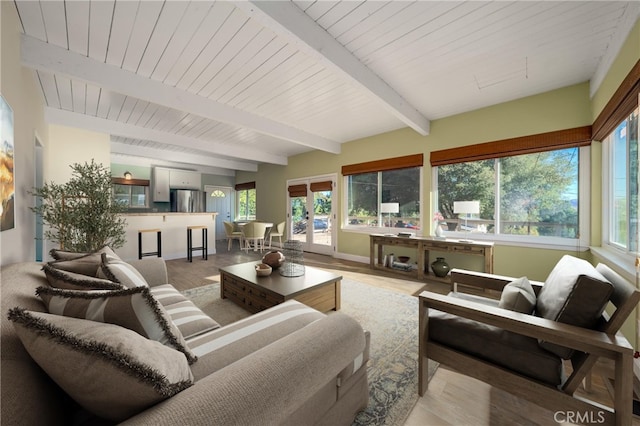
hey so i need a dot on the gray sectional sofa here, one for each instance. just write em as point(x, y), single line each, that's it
point(287, 365)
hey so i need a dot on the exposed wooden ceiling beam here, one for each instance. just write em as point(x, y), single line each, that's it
point(203, 163)
point(285, 18)
point(40, 55)
point(73, 119)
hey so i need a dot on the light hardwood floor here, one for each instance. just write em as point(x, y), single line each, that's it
point(452, 399)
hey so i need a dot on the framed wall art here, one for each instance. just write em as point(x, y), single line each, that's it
point(7, 186)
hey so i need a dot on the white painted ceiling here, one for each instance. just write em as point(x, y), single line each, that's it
point(223, 86)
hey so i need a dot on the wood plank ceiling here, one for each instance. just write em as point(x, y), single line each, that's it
point(224, 86)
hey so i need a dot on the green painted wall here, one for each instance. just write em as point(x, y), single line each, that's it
point(559, 109)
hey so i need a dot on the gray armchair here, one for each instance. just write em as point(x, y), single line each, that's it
point(520, 342)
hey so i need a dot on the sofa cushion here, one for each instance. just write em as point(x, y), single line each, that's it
point(81, 263)
point(109, 370)
point(223, 346)
point(135, 309)
point(189, 319)
point(518, 296)
point(573, 293)
point(60, 278)
point(167, 294)
point(493, 344)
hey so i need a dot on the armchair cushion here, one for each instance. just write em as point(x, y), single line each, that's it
point(509, 350)
point(518, 296)
point(573, 293)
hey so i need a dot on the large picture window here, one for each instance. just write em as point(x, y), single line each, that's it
point(622, 209)
point(533, 195)
point(384, 199)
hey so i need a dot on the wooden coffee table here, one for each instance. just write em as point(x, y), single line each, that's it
point(316, 288)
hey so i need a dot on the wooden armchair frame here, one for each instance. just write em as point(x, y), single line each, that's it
point(592, 344)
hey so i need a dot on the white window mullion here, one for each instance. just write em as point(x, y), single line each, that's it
point(496, 214)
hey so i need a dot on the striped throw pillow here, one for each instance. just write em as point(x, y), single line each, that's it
point(120, 272)
point(112, 372)
point(134, 308)
point(80, 263)
point(60, 278)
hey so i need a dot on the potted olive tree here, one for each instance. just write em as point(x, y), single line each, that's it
point(82, 215)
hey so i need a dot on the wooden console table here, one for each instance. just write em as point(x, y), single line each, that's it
point(423, 246)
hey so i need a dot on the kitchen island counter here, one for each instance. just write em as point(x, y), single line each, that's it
point(173, 226)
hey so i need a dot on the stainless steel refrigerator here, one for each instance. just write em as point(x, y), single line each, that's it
point(188, 201)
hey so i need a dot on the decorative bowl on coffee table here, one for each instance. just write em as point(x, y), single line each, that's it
point(263, 270)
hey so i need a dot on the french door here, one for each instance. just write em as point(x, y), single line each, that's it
point(310, 216)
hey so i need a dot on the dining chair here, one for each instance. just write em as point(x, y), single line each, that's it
point(278, 232)
point(232, 234)
point(253, 236)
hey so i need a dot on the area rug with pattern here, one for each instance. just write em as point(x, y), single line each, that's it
point(392, 320)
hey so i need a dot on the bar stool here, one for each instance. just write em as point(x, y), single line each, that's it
point(203, 247)
point(158, 251)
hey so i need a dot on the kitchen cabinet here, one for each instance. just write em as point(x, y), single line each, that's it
point(185, 179)
point(160, 185)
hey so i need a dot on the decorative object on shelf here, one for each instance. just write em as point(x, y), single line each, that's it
point(274, 258)
point(263, 270)
point(439, 267)
point(466, 208)
point(406, 234)
point(439, 220)
point(293, 265)
point(403, 259)
point(389, 208)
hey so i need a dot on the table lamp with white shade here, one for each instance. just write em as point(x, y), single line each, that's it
point(466, 208)
point(389, 208)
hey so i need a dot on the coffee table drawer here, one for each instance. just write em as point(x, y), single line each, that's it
point(260, 294)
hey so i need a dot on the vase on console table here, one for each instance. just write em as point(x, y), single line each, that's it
point(440, 268)
point(439, 231)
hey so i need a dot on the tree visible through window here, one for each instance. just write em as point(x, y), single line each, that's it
point(532, 194)
point(246, 204)
point(623, 190)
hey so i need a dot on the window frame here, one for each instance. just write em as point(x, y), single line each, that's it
point(558, 243)
point(345, 226)
point(130, 188)
point(238, 216)
point(622, 254)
